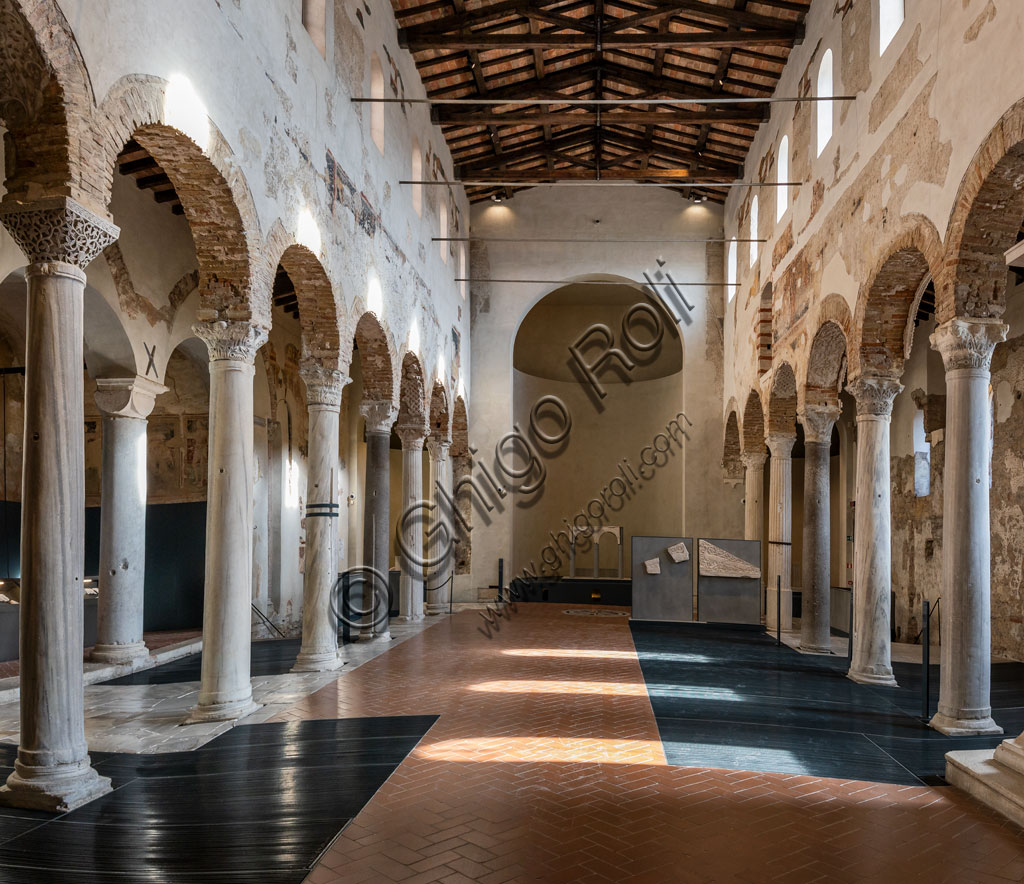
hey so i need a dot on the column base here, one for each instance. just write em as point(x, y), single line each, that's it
point(230, 711)
point(814, 649)
point(431, 610)
point(56, 788)
point(981, 775)
point(963, 727)
point(877, 678)
point(326, 662)
point(127, 653)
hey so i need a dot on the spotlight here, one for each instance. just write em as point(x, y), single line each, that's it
point(496, 198)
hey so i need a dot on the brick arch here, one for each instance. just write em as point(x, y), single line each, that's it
point(885, 308)
point(752, 427)
point(782, 400)
point(320, 313)
point(983, 224)
point(46, 101)
point(460, 429)
point(826, 364)
point(375, 359)
point(412, 393)
point(440, 413)
point(234, 282)
point(731, 463)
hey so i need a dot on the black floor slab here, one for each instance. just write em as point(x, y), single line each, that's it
point(259, 803)
point(270, 657)
point(731, 698)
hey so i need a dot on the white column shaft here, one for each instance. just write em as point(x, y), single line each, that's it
point(411, 589)
point(815, 632)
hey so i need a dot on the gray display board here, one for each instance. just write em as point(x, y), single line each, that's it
point(668, 595)
point(728, 599)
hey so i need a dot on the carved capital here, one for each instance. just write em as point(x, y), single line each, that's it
point(235, 340)
point(379, 416)
point(968, 343)
point(437, 447)
point(781, 444)
point(818, 421)
point(57, 230)
point(127, 397)
point(323, 385)
point(753, 460)
point(412, 434)
point(874, 395)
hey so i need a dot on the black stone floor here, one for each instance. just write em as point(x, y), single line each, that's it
point(267, 657)
point(260, 803)
point(730, 698)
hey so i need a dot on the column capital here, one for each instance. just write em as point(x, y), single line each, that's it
point(57, 229)
point(235, 340)
point(127, 397)
point(753, 460)
point(818, 420)
point(412, 434)
point(874, 394)
point(379, 415)
point(323, 385)
point(968, 343)
point(437, 447)
point(780, 444)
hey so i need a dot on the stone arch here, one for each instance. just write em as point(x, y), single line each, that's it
point(752, 427)
point(460, 429)
point(440, 413)
point(731, 463)
point(984, 223)
point(412, 394)
point(782, 400)
point(885, 308)
point(319, 310)
point(826, 365)
point(46, 101)
point(234, 282)
point(375, 358)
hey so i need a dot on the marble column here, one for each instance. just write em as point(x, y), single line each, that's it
point(52, 770)
point(872, 547)
point(379, 417)
point(440, 534)
point(126, 403)
point(225, 691)
point(410, 524)
point(753, 487)
point(815, 619)
point(780, 529)
point(319, 650)
point(964, 703)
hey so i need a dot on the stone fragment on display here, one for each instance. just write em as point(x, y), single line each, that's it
point(652, 566)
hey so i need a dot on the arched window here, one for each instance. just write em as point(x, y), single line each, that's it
point(442, 226)
point(922, 457)
point(377, 106)
point(314, 20)
point(731, 271)
point(782, 176)
point(753, 231)
point(824, 107)
point(416, 173)
point(890, 18)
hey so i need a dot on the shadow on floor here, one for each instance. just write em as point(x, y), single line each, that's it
point(731, 699)
point(259, 803)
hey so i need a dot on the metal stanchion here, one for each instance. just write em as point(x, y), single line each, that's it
point(925, 658)
point(778, 609)
point(849, 631)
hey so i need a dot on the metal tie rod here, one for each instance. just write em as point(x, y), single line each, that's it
point(613, 102)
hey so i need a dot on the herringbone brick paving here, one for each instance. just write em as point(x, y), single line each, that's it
point(545, 766)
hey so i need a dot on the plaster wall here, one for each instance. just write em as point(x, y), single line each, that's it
point(543, 216)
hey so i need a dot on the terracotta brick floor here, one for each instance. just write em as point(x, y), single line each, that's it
point(545, 765)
